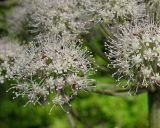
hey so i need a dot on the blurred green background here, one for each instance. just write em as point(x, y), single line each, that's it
point(90, 110)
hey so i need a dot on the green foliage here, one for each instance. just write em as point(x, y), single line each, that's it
point(99, 111)
point(93, 110)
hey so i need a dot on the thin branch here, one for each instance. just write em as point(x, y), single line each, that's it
point(105, 31)
point(100, 67)
point(95, 49)
point(121, 92)
point(103, 84)
point(71, 121)
point(75, 114)
point(109, 93)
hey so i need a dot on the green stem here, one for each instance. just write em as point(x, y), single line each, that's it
point(96, 50)
point(154, 108)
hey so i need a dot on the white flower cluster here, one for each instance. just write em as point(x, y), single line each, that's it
point(72, 16)
point(55, 62)
point(135, 52)
point(51, 68)
point(8, 50)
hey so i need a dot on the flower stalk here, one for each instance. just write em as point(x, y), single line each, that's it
point(154, 108)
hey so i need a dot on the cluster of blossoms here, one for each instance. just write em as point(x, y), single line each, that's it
point(46, 67)
point(135, 52)
point(135, 49)
point(72, 16)
point(8, 50)
point(55, 62)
